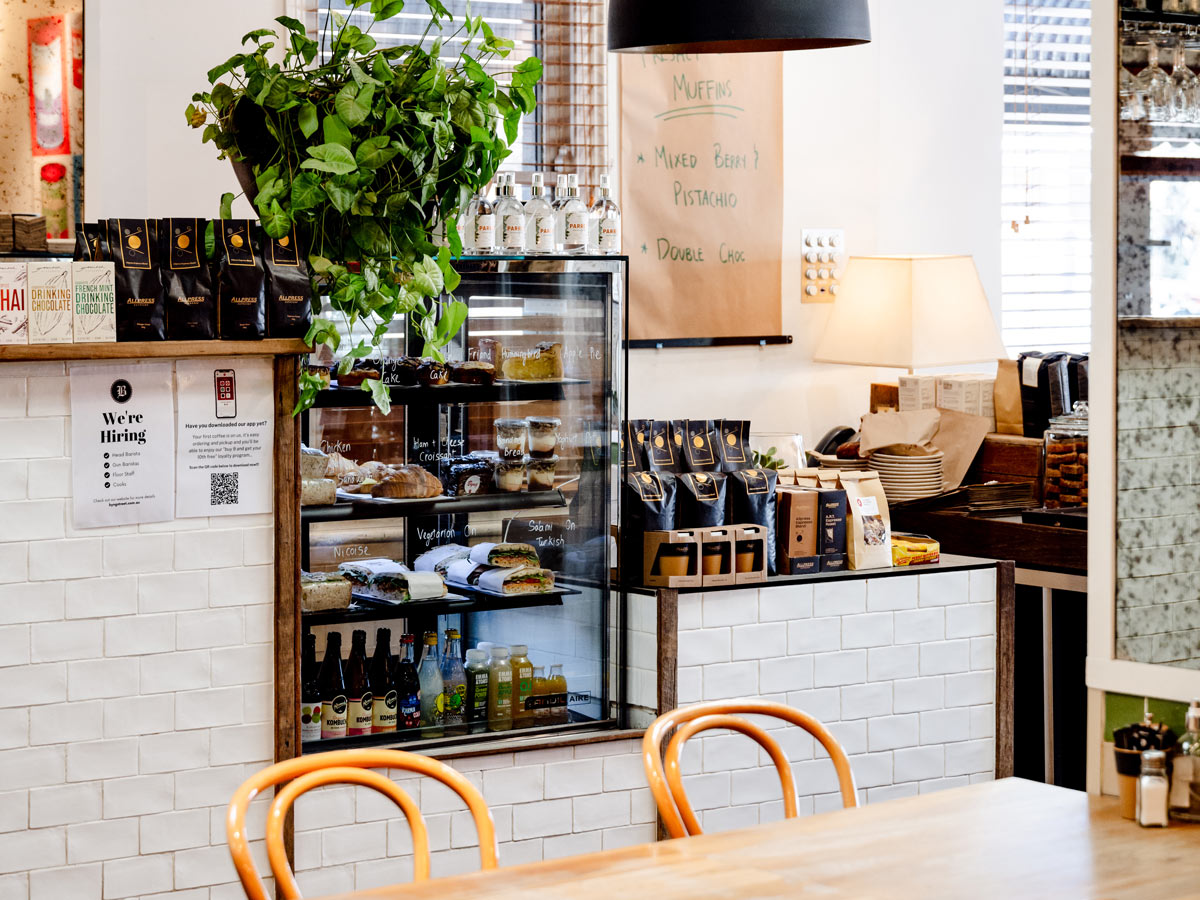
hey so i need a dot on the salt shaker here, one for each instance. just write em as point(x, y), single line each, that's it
point(1152, 790)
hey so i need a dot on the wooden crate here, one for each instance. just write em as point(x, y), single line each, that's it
point(1008, 458)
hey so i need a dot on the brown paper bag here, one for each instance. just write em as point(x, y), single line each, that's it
point(868, 521)
point(1007, 397)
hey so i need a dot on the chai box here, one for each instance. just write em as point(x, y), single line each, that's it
point(14, 309)
point(671, 559)
point(917, 392)
point(798, 511)
point(717, 556)
point(95, 295)
point(750, 553)
point(50, 315)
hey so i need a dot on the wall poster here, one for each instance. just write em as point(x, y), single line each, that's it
point(701, 185)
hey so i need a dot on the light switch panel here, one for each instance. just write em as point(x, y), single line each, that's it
point(824, 259)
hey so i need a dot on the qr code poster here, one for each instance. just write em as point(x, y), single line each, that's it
point(225, 434)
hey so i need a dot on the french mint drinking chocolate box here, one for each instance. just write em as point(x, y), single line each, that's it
point(95, 289)
point(50, 315)
point(14, 312)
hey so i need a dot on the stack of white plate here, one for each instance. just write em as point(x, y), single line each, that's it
point(908, 477)
point(829, 461)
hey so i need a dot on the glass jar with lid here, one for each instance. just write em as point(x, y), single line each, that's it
point(1065, 474)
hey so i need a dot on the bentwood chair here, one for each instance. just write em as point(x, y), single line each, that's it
point(304, 773)
point(668, 790)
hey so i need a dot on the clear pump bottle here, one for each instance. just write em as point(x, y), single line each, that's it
point(560, 219)
point(478, 225)
point(575, 215)
point(539, 219)
point(604, 232)
point(510, 216)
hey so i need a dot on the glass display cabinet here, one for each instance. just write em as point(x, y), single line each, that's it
point(526, 459)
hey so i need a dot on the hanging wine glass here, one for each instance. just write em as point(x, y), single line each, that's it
point(1183, 87)
point(1155, 85)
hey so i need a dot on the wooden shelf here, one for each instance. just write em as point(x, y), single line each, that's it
point(149, 350)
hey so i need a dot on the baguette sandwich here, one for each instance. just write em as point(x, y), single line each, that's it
point(506, 556)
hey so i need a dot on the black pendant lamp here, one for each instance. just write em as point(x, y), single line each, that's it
point(735, 26)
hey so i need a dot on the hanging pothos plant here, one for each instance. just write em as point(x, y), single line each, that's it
point(369, 153)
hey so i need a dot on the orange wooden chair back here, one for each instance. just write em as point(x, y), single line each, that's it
point(305, 773)
point(666, 779)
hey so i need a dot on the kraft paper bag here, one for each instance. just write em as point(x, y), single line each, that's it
point(1007, 398)
point(890, 429)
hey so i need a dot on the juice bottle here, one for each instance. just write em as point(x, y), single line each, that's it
point(500, 678)
point(358, 686)
point(541, 691)
point(408, 686)
point(558, 694)
point(522, 686)
point(333, 689)
point(385, 699)
point(310, 691)
point(454, 684)
point(477, 691)
point(433, 698)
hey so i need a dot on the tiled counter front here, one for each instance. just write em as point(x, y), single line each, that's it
point(902, 668)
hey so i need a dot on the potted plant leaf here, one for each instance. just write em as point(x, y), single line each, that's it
point(369, 153)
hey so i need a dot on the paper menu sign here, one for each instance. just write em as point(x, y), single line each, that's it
point(122, 444)
point(226, 432)
point(50, 306)
point(14, 308)
point(95, 302)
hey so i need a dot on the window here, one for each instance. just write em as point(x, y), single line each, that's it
point(569, 130)
point(1046, 252)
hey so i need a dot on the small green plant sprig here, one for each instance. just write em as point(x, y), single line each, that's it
point(369, 156)
point(767, 459)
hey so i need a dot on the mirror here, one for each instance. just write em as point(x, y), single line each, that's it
point(1158, 341)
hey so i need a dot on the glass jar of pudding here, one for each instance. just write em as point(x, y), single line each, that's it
point(510, 437)
point(510, 475)
point(541, 472)
point(543, 435)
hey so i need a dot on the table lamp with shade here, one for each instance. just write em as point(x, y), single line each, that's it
point(910, 312)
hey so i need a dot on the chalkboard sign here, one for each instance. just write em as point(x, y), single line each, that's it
point(702, 181)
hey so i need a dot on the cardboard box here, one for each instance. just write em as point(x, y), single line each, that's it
point(834, 562)
point(918, 392)
point(95, 301)
point(717, 544)
point(51, 320)
point(751, 539)
point(802, 565)
point(797, 515)
point(666, 544)
point(14, 311)
point(884, 397)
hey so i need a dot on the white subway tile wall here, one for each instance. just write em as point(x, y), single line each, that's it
point(133, 665)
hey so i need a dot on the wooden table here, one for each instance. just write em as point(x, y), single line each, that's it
point(1009, 839)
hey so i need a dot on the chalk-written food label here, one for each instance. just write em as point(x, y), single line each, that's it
point(50, 315)
point(95, 302)
point(14, 310)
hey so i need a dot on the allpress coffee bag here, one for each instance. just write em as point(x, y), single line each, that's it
point(734, 444)
point(187, 280)
point(659, 449)
point(240, 281)
point(14, 311)
point(750, 500)
point(700, 500)
point(132, 245)
point(289, 290)
point(700, 447)
point(868, 521)
point(647, 504)
point(633, 439)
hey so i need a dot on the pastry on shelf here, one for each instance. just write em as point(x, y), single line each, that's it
point(339, 466)
point(543, 362)
point(323, 590)
point(313, 462)
point(431, 373)
point(318, 491)
point(361, 371)
point(400, 371)
point(472, 372)
point(407, 482)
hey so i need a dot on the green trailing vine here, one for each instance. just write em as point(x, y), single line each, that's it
point(369, 155)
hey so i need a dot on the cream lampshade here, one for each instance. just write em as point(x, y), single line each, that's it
point(910, 312)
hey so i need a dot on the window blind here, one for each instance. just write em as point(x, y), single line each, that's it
point(568, 132)
point(1046, 252)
